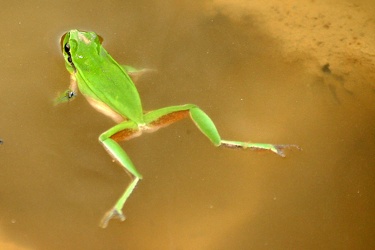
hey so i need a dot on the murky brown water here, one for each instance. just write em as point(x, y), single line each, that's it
point(261, 72)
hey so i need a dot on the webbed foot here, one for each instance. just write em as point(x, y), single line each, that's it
point(279, 149)
point(275, 148)
point(113, 213)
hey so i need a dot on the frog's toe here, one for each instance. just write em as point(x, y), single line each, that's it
point(280, 148)
point(111, 214)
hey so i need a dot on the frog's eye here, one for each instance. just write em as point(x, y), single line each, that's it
point(67, 51)
point(67, 48)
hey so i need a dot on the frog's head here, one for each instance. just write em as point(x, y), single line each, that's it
point(78, 44)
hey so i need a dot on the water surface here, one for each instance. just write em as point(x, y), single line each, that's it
point(264, 72)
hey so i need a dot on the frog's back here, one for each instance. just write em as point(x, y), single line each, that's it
point(107, 82)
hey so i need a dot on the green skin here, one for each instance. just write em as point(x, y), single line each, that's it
point(109, 88)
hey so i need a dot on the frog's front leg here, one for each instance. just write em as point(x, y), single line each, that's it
point(134, 73)
point(123, 131)
point(68, 94)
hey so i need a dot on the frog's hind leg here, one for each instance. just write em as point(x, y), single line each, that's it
point(165, 116)
point(121, 132)
point(153, 121)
